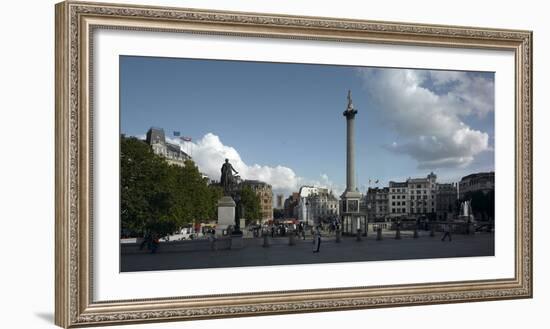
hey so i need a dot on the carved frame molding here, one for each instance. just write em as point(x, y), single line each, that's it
point(76, 22)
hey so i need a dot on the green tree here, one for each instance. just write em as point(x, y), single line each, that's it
point(144, 193)
point(160, 198)
point(251, 203)
point(193, 198)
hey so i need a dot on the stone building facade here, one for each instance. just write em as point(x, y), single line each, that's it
point(279, 201)
point(422, 195)
point(446, 201)
point(290, 205)
point(316, 204)
point(323, 205)
point(265, 192)
point(375, 204)
point(398, 198)
point(171, 152)
point(483, 181)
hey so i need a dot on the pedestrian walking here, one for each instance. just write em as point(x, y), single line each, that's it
point(212, 238)
point(302, 230)
point(317, 239)
point(154, 243)
point(146, 241)
point(447, 232)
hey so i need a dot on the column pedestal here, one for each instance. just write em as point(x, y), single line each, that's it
point(226, 214)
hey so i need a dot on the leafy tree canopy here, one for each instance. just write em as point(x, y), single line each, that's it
point(160, 198)
point(251, 203)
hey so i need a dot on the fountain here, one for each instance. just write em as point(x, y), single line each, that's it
point(466, 215)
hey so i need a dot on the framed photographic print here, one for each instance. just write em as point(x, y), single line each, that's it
point(213, 164)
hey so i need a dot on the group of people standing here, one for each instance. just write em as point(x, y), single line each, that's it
point(298, 230)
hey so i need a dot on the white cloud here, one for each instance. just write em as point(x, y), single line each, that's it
point(425, 109)
point(325, 181)
point(209, 153)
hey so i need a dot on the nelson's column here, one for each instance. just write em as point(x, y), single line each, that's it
point(350, 199)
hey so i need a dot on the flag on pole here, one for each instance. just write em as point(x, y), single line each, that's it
point(177, 133)
point(186, 139)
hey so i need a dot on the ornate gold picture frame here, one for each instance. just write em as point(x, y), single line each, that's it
point(75, 24)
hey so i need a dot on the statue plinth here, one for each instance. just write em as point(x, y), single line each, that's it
point(226, 214)
point(350, 195)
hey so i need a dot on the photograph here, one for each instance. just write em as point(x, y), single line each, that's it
point(274, 164)
point(215, 163)
point(232, 163)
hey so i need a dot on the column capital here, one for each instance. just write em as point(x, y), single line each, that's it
point(350, 113)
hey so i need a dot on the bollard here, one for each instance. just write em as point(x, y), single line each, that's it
point(213, 244)
point(266, 240)
point(338, 235)
point(432, 230)
point(379, 234)
point(398, 234)
point(291, 239)
point(471, 229)
point(358, 236)
point(415, 233)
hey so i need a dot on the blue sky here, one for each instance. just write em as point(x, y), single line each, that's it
point(283, 123)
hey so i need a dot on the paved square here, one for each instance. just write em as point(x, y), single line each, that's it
point(348, 250)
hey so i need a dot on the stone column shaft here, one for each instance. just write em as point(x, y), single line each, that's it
point(350, 172)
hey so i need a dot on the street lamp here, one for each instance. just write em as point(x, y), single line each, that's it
point(307, 212)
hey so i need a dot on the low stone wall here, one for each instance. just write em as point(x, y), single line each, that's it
point(456, 227)
point(220, 243)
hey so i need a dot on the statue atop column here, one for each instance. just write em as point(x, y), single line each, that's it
point(350, 102)
point(227, 179)
point(350, 111)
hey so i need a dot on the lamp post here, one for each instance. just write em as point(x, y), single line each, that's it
point(238, 214)
point(358, 227)
point(307, 211)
